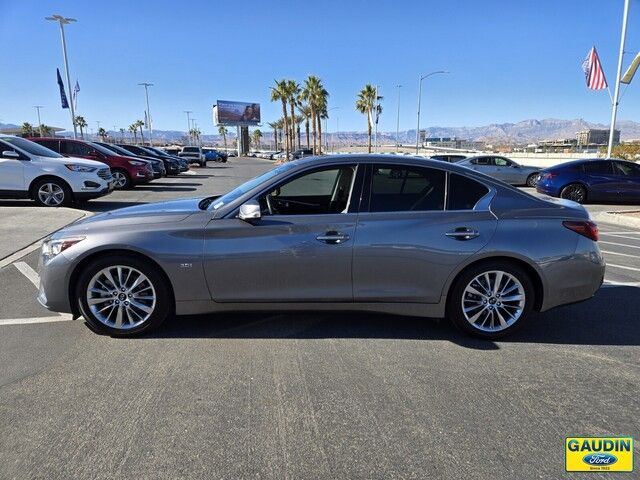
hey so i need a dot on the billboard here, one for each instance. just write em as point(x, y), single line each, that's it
point(236, 113)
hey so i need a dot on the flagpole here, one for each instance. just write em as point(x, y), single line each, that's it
point(616, 94)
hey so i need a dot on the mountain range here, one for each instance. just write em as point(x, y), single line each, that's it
point(526, 131)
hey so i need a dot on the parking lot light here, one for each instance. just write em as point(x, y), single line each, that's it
point(62, 21)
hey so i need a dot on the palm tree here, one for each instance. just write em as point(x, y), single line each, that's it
point(316, 96)
point(139, 124)
point(365, 104)
point(257, 135)
point(293, 91)
point(81, 123)
point(133, 128)
point(122, 134)
point(299, 121)
point(222, 130)
point(305, 111)
point(274, 126)
point(45, 129)
point(27, 129)
point(102, 133)
point(280, 92)
point(321, 112)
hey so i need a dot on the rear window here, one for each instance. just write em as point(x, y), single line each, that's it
point(464, 192)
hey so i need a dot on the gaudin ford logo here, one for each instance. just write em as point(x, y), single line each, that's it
point(599, 454)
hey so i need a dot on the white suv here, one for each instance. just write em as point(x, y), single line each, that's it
point(193, 155)
point(29, 170)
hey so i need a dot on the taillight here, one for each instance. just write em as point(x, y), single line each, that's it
point(548, 176)
point(585, 228)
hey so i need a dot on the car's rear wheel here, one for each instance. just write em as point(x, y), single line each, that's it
point(121, 179)
point(532, 180)
point(123, 296)
point(51, 192)
point(575, 192)
point(491, 300)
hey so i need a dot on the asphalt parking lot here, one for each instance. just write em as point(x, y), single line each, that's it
point(312, 395)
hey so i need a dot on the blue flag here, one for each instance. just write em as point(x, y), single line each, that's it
point(63, 96)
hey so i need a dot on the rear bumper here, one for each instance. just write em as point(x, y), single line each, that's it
point(548, 190)
point(577, 278)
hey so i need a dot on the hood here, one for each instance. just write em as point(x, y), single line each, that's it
point(161, 212)
point(78, 161)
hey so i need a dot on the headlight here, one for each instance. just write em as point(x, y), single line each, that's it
point(79, 168)
point(136, 162)
point(53, 248)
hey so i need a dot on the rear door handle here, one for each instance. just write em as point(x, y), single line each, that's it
point(333, 238)
point(463, 233)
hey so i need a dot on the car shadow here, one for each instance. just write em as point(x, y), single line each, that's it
point(159, 188)
point(181, 184)
point(610, 318)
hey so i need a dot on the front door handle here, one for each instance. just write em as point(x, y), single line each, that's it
point(333, 238)
point(463, 233)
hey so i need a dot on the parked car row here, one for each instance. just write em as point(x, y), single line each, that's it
point(58, 171)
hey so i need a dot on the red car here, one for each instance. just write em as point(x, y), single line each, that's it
point(126, 171)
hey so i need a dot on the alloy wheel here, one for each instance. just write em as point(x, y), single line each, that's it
point(51, 194)
point(121, 297)
point(493, 301)
point(120, 179)
point(575, 193)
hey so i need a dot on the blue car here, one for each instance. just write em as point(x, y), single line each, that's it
point(593, 180)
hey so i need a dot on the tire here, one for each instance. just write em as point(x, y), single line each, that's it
point(141, 308)
point(51, 192)
point(575, 192)
point(532, 180)
point(122, 180)
point(483, 312)
point(203, 163)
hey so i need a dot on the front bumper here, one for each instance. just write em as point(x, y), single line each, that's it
point(53, 292)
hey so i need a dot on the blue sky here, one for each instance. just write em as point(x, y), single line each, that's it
point(509, 60)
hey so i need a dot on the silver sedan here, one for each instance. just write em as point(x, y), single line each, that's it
point(503, 169)
point(379, 233)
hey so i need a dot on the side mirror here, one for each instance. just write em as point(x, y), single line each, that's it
point(11, 154)
point(250, 211)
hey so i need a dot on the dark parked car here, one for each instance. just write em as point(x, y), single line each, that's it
point(301, 153)
point(157, 165)
point(126, 171)
point(592, 180)
point(171, 166)
point(377, 233)
point(211, 154)
point(183, 164)
point(451, 158)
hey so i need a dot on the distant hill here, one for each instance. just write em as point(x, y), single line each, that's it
point(526, 131)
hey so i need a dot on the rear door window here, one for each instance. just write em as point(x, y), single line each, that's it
point(464, 193)
point(397, 188)
point(626, 169)
point(598, 168)
point(75, 149)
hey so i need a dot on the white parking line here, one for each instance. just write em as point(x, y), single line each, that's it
point(623, 267)
point(615, 235)
point(613, 283)
point(617, 253)
point(28, 272)
point(620, 244)
point(27, 321)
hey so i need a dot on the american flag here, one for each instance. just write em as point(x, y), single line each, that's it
point(593, 71)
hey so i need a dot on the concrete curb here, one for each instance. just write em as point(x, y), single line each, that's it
point(617, 219)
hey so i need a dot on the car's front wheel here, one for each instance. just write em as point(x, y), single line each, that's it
point(51, 192)
point(123, 296)
point(491, 300)
point(121, 179)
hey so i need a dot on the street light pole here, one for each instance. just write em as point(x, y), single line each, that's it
point(62, 21)
point(146, 86)
point(188, 112)
point(38, 107)
point(419, 100)
point(616, 94)
point(398, 118)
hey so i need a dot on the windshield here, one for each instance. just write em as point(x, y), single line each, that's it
point(245, 187)
point(100, 148)
point(31, 147)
